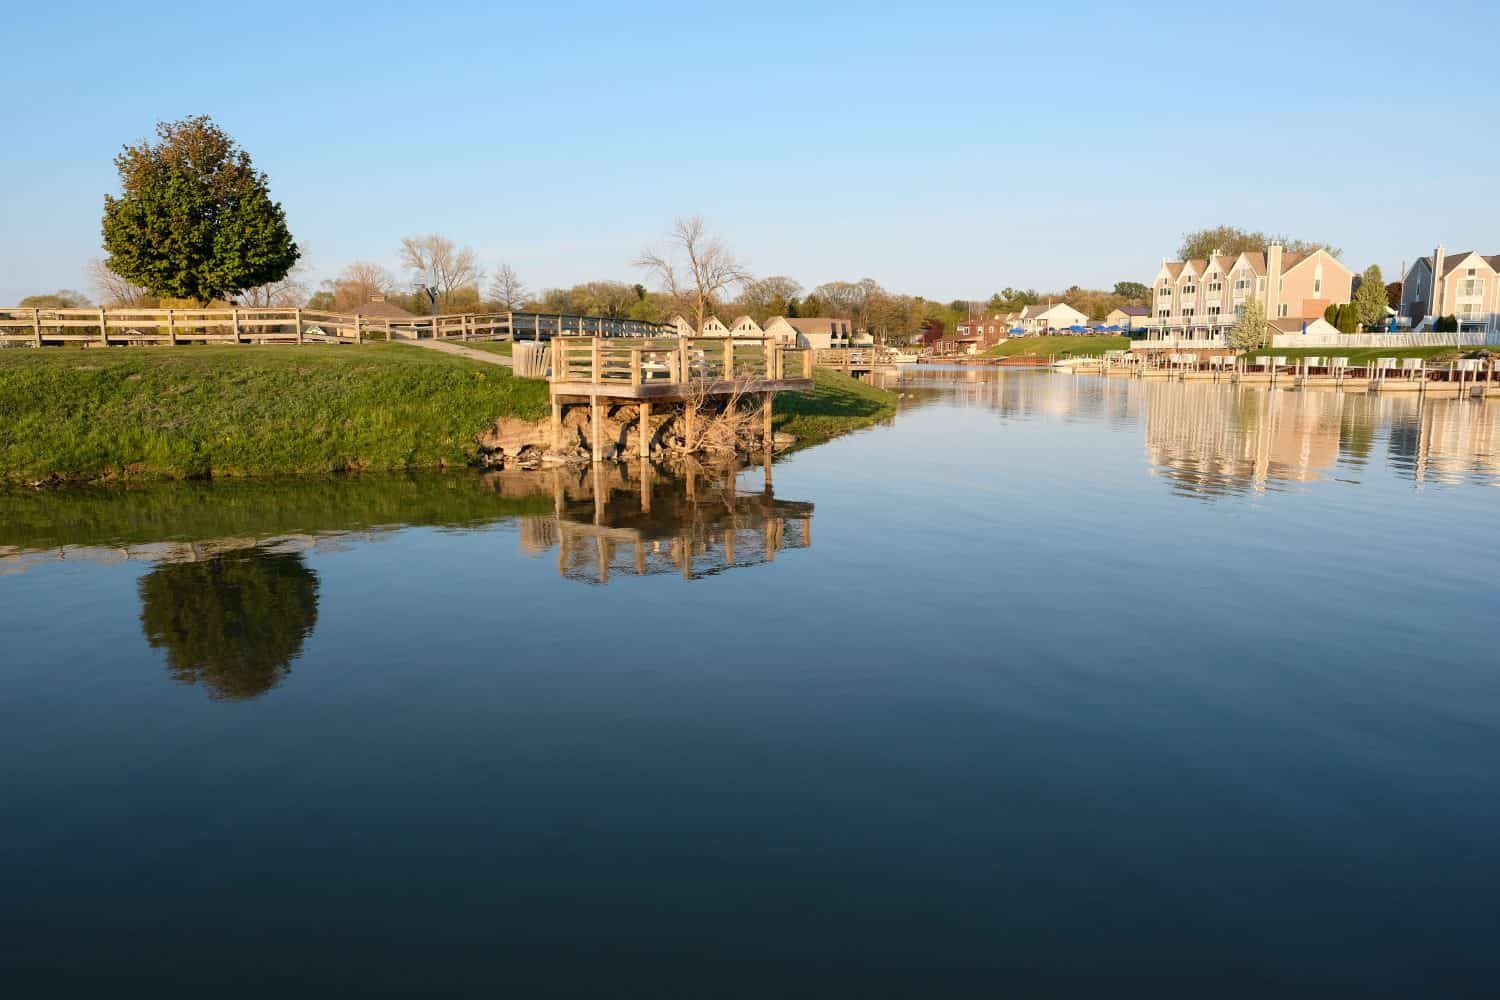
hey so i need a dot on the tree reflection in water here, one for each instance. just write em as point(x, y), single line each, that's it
point(233, 623)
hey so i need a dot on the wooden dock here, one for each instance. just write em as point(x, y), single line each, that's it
point(683, 374)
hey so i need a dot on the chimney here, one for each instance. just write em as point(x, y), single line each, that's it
point(1435, 300)
point(1273, 280)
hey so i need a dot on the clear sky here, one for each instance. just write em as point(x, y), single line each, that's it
point(942, 149)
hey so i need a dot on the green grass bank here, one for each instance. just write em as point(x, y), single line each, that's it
point(836, 405)
point(225, 412)
point(1046, 347)
point(176, 413)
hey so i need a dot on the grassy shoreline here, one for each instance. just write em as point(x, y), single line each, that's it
point(1049, 346)
point(836, 405)
point(75, 416)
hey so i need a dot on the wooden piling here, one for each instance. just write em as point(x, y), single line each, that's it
point(644, 430)
point(597, 430)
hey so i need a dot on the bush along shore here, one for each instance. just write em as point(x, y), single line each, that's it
point(203, 412)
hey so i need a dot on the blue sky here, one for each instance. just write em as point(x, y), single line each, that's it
point(942, 149)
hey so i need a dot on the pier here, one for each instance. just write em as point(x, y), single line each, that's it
point(687, 377)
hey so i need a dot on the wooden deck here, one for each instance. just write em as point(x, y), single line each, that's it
point(676, 368)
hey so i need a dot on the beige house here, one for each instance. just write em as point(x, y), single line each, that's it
point(1467, 286)
point(1317, 327)
point(1041, 318)
point(818, 332)
point(712, 327)
point(1195, 302)
point(746, 327)
point(1128, 317)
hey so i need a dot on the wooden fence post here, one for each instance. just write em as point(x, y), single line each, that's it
point(359, 337)
point(103, 329)
point(596, 374)
point(36, 326)
point(635, 366)
point(172, 326)
point(729, 358)
point(234, 319)
point(299, 326)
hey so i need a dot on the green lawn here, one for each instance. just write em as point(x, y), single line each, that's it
point(230, 411)
point(835, 405)
point(1046, 347)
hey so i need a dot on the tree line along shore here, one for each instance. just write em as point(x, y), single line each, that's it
point(143, 413)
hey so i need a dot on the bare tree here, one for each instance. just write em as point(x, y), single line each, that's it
point(113, 290)
point(507, 290)
point(441, 263)
point(766, 298)
point(360, 283)
point(695, 268)
point(291, 290)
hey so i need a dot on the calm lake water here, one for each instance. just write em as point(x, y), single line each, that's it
point(1057, 685)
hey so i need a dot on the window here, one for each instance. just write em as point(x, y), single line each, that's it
point(1317, 286)
point(1213, 310)
point(1215, 288)
point(1166, 293)
point(1188, 311)
point(1163, 313)
point(1472, 288)
point(1282, 311)
point(1190, 290)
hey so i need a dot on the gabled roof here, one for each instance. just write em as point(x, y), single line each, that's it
point(1173, 268)
point(1256, 260)
point(743, 319)
point(1454, 261)
point(1135, 310)
point(814, 324)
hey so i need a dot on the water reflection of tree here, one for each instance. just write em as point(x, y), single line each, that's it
point(234, 623)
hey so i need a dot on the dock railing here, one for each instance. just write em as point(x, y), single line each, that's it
point(676, 361)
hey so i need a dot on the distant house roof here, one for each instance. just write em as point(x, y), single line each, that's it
point(816, 324)
point(1135, 310)
point(381, 309)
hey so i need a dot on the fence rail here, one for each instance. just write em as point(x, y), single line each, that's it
point(249, 325)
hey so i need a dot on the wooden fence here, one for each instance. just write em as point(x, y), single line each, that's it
point(248, 325)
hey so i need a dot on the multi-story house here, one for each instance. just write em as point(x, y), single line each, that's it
point(983, 331)
point(1464, 285)
point(1195, 302)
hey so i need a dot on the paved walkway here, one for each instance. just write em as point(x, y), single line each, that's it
point(486, 357)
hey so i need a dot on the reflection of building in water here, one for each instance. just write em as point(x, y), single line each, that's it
point(1217, 439)
point(618, 519)
point(1448, 441)
point(1214, 439)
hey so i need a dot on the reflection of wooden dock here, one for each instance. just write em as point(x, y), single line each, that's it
point(608, 523)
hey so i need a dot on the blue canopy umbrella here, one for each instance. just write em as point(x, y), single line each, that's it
point(1078, 329)
point(1017, 329)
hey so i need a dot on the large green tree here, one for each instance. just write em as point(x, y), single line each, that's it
point(1370, 298)
point(195, 219)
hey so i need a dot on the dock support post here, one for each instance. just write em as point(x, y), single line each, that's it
point(765, 417)
point(644, 430)
point(597, 430)
point(556, 424)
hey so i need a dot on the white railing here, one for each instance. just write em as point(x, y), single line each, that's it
point(1162, 342)
point(1471, 338)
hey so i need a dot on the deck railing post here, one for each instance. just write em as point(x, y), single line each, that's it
point(299, 326)
point(234, 323)
point(729, 358)
point(36, 326)
point(596, 359)
point(103, 329)
point(359, 337)
point(172, 326)
point(635, 366)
